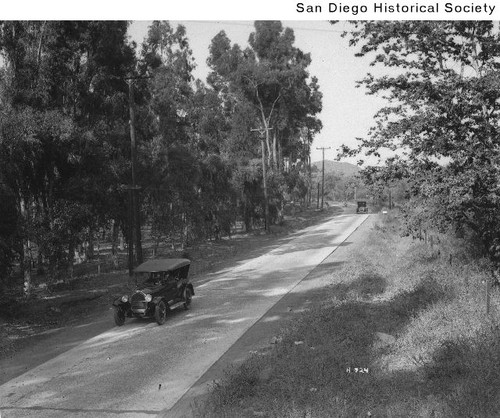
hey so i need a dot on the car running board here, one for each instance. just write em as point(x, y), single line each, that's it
point(176, 305)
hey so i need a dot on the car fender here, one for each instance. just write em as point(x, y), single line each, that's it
point(118, 302)
point(158, 299)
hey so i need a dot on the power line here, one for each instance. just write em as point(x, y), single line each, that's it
point(251, 25)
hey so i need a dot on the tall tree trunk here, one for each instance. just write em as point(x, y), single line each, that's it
point(281, 211)
point(247, 219)
point(275, 151)
point(98, 256)
point(26, 268)
point(71, 257)
point(26, 250)
point(185, 232)
point(280, 155)
point(137, 224)
point(114, 237)
point(121, 244)
point(90, 248)
point(156, 244)
point(130, 235)
point(265, 126)
point(39, 262)
point(135, 189)
point(269, 150)
point(264, 178)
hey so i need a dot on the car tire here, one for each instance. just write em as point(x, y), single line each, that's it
point(187, 298)
point(119, 316)
point(161, 313)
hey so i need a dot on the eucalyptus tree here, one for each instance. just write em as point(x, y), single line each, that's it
point(282, 90)
point(184, 137)
point(442, 121)
point(209, 137)
point(8, 230)
point(63, 102)
point(169, 169)
point(268, 86)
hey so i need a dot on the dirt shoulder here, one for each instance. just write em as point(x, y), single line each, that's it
point(34, 332)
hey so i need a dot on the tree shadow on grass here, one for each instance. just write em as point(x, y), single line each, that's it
point(366, 285)
point(467, 372)
point(462, 379)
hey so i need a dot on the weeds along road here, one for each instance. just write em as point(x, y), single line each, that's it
point(142, 369)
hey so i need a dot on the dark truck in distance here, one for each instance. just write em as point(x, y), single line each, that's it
point(164, 286)
point(362, 208)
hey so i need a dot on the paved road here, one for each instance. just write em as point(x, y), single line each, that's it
point(142, 369)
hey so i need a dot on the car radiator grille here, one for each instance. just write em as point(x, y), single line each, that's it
point(138, 303)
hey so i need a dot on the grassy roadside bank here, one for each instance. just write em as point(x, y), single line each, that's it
point(400, 333)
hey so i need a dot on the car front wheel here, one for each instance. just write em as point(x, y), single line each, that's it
point(161, 313)
point(119, 316)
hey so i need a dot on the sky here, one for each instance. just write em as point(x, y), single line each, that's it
point(347, 111)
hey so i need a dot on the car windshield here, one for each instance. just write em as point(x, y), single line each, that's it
point(155, 278)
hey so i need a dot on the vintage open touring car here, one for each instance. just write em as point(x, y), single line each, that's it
point(164, 286)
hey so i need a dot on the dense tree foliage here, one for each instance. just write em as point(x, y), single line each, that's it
point(266, 88)
point(62, 116)
point(87, 116)
point(442, 122)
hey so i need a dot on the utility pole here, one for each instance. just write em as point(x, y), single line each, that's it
point(134, 212)
point(262, 132)
point(307, 158)
point(323, 176)
point(135, 188)
point(130, 233)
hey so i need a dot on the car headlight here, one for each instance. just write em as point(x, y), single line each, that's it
point(124, 298)
point(148, 298)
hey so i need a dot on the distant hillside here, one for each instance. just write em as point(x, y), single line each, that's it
point(338, 167)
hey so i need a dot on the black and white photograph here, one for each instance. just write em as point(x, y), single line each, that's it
point(220, 218)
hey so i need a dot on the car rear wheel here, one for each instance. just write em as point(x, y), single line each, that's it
point(187, 298)
point(161, 313)
point(119, 316)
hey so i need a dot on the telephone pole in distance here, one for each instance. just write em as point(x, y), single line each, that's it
point(323, 175)
point(133, 189)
